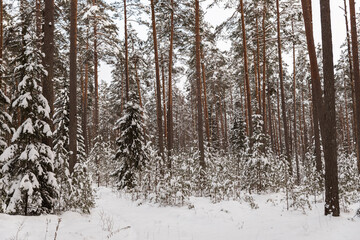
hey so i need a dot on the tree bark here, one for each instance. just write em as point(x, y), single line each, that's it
point(355, 55)
point(283, 107)
point(96, 79)
point(73, 86)
point(248, 96)
point(330, 146)
point(351, 77)
point(264, 67)
point(164, 96)
point(126, 55)
point(158, 91)
point(206, 114)
point(315, 81)
point(198, 85)
point(48, 49)
point(85, 106)
point(294, 100)
point(170, 128)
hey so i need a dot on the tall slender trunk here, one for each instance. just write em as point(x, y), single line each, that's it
point(126, 54)
point(170, 135)
point(264, 72)
point(279, 118)
point(206, 114)
point(350, 75)
point(85, 107)
point(355, 52)
point(248, 96)
point(164, 95)
point(73, 86)
point(330, 146)
point(294, 100)
point(315, 81)
point(348, 139)
point(198, 84)
point(158, 92)
point(96, 104)
point(258, 62)
point(48, 49)
point(283, 107)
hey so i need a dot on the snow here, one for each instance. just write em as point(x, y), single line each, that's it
point(117, 217)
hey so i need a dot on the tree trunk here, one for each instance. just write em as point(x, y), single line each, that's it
point(248, 96)
point(264, 76)
point(164, 95)
point(73, 86)
point(126, 55)
point(351, 73)
point(48, 49)
point(85, 107)
point(96, 105)
point(158, 91)
point(170, 128)
point(258, 64)
point(198, 85)
point(330, 147)
point(315, 81)
point(294, 99)
point(283, 107)
point(355, 52)
point(279, 118)
point(206, 114)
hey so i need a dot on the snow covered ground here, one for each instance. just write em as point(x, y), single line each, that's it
point(116, 217)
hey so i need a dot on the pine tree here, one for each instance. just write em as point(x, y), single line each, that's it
point(28, 172)
point(131, 155)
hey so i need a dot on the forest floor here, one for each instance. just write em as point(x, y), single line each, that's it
point(117, 217)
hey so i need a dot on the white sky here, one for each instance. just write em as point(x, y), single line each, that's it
point(217, 15)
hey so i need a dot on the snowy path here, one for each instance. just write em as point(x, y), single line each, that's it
point(120, 218)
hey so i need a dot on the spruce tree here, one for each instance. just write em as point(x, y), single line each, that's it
point(28, 164)
point(131, 155)
point(61, 148)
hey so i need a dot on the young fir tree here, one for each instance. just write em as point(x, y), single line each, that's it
point(28, 164)
point(132, 154)
point(257, 165)
point(82, 196)
point(61, 148)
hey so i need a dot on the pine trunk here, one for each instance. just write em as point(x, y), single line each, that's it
point(315, 81)
point(73, 86)
point(126, 55)
point(198, 85)
point(48, 49)
point(170, 129)
point(96, 79)
point(158, 91)
point(283, 107)
point(355, 55)
point(248, 95)
point(329, 140)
